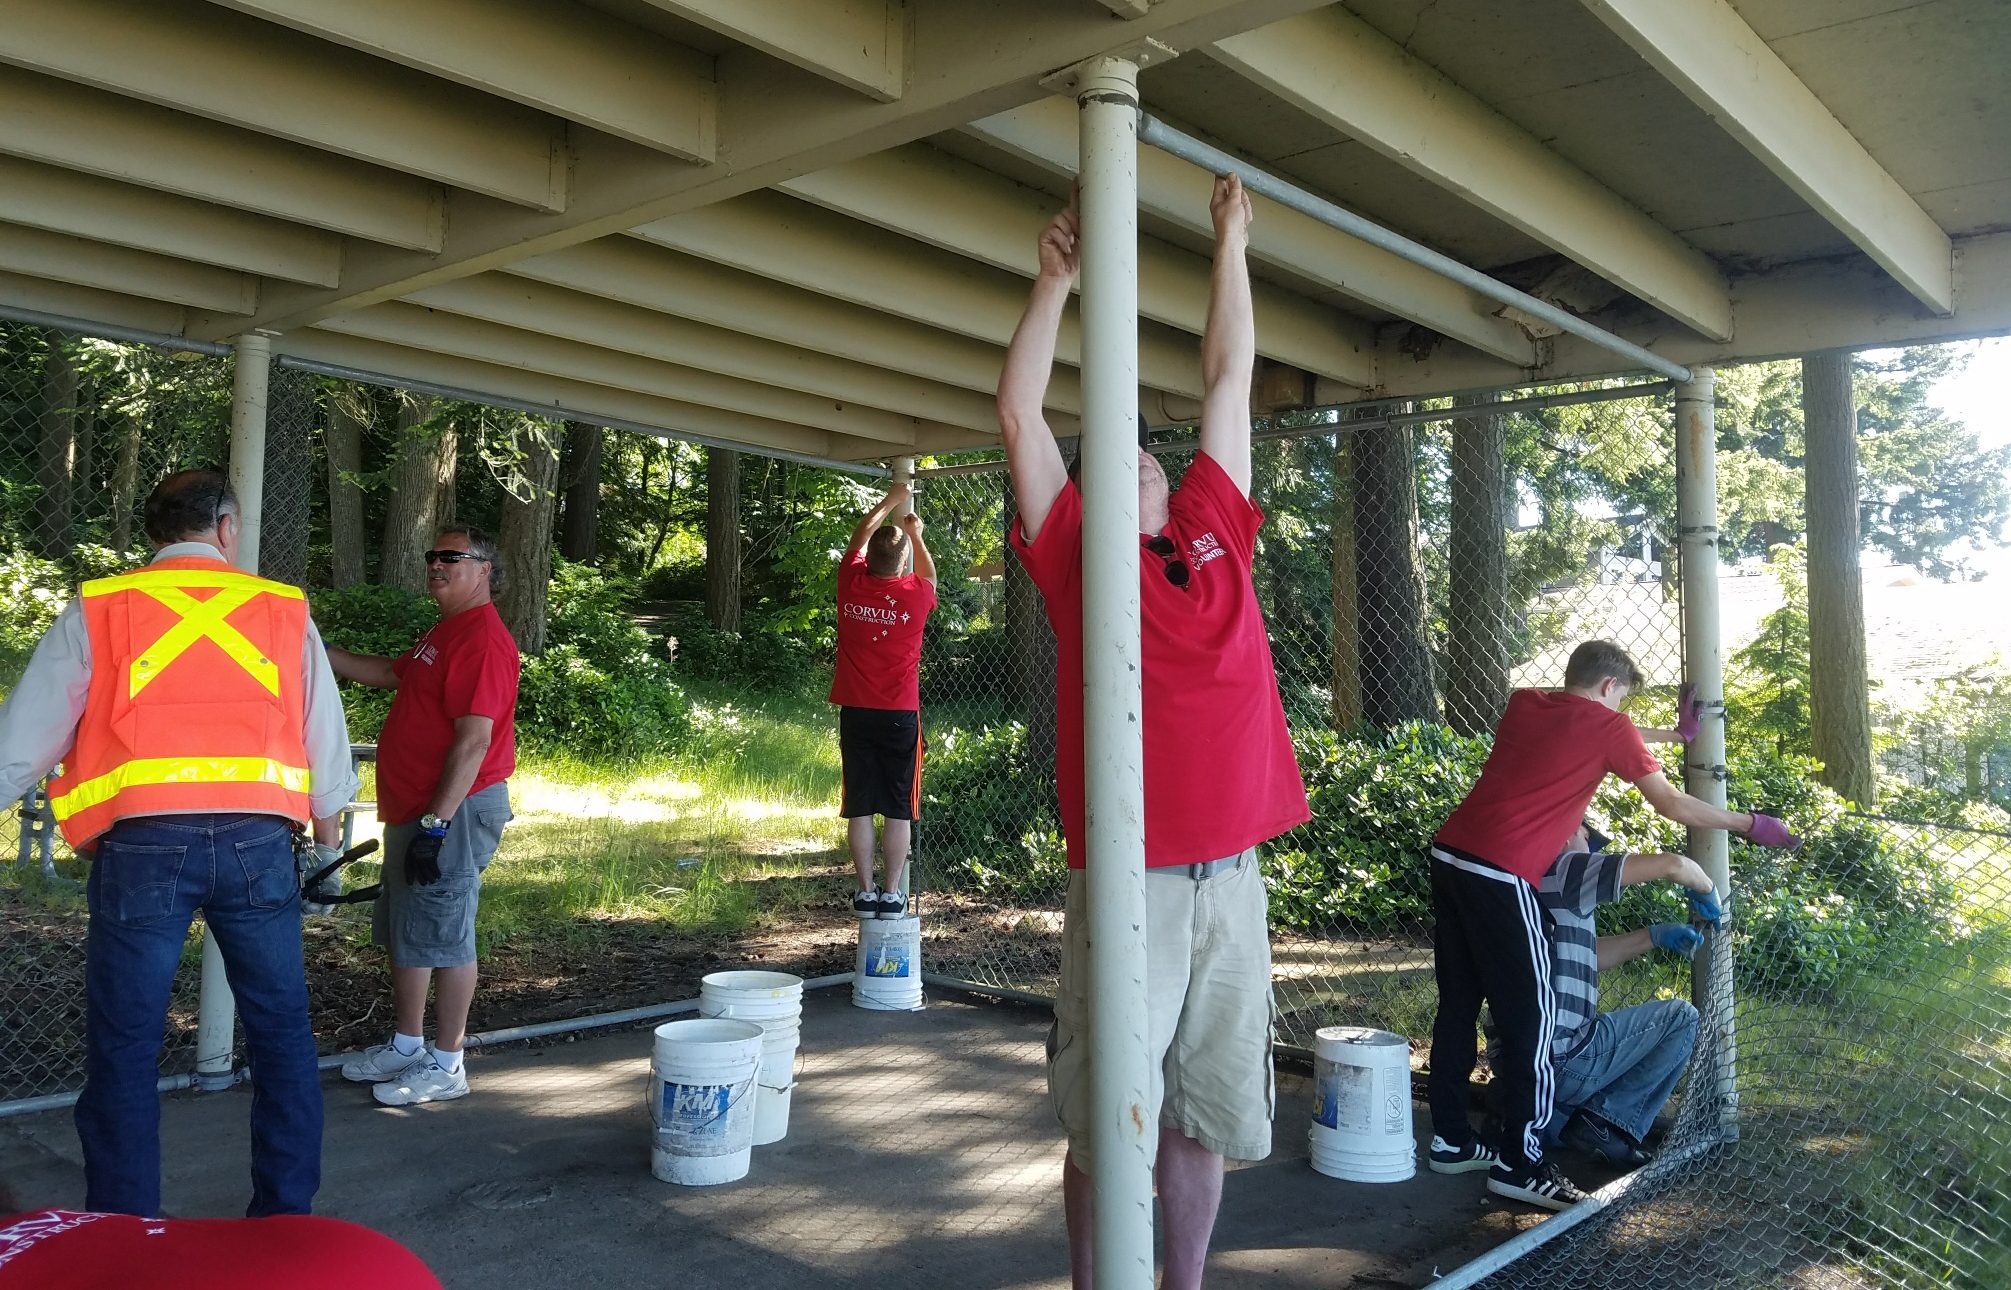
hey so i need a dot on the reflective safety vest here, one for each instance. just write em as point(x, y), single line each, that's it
point(196, 701)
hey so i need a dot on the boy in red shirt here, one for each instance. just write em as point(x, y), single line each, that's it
point(1219, 772)
point(882, 607)
point(1551, 751)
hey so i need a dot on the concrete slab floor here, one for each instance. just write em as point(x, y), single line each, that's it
point(921, 1152)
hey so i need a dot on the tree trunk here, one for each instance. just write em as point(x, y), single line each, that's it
point(424, 470)
point(579, 537)
point(342, 437)
point(1345, 679)
point(1477, 614)
point(1839, 695)
point(55, 453)
point(722, 538)
point(524, 543)
point(125, 481)
point(289, 476)
point(1395, 646)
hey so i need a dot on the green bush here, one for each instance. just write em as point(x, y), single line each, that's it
point(1854, 896)
point(989, 817)
point(958, 665)
point(1376, 799)
point(758, 658)
point(603, 689)
point(370, 619)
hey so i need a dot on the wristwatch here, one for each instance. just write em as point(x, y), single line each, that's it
point(433, 824)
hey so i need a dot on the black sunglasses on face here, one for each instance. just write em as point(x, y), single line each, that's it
point(450, 557)
point(1176, 569)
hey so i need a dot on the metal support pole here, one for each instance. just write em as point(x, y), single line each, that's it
point(904, 472)
point(216, 1014)
point(1704, 666)
point(1121, 1133)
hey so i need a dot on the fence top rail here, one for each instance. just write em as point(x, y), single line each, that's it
point(1158, 134)
point(1382, 421)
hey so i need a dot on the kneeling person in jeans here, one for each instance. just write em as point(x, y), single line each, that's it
point(443, 765)
point(1615, 1070)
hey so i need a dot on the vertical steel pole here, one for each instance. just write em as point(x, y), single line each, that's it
point(904, 472)
point(1704, 666)
point(216, 1011)
point(1123, 1131)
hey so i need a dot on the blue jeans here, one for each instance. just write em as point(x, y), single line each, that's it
point(148, 878)
point(1626, 1071)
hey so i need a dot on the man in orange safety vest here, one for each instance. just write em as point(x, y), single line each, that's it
point(199, 728)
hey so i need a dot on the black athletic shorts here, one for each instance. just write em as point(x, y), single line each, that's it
point(881, 749)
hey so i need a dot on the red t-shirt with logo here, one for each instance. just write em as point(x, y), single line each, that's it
point(466, 665)
point(1550, 752)
point(1219, 772)
point(73, 1250)
point(880, 637)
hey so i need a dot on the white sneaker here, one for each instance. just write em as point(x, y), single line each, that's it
point(381, 1062)
point(425, 1082)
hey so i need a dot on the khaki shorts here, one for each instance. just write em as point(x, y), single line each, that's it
point(1208, 990)
point(434, 926)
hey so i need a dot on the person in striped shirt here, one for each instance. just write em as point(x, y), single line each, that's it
point(1615, 1070)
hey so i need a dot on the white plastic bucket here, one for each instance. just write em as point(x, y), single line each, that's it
point(1362, 1105)
point(773, 1001)
point(887, 973)
point(701, 1100)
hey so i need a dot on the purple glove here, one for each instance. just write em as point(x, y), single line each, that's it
point(1676, 938)
point(1689, 712)
point(1770, 832)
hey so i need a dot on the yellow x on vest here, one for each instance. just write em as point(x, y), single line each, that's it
point(200, 620)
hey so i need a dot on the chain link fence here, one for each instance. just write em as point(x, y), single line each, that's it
point(86, 428)
point(1845, 1117)
point(1870, 1067)
point(1408, 584)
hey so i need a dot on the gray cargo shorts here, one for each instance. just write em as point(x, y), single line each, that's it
point(434, 926)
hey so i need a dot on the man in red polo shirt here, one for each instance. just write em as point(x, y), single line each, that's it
point(1491, 941)
point(882, 607)
point(1219, 773)
point(443, 763)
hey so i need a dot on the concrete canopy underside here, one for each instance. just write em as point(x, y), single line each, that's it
point(807, 227)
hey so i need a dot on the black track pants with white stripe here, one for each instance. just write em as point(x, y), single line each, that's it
point(1491, 944)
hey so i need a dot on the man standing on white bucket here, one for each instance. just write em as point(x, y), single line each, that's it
point(443, 765)
point(1219, 773)
point(882, 608)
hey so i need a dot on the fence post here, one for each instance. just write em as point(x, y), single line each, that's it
point(1113, 748)
point(904, 472)
point(1704, 665)
point(251, 372)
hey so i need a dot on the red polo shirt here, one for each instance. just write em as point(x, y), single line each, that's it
point(464, 666)
point(82, 1251)
point(1219, 772)
point(1550, 752)
point(880, 637)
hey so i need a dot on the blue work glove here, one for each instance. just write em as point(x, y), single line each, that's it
point(1704, 907)
point(1676, 937)
point(422, 858)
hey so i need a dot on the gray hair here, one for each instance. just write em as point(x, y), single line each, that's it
point(482, 547)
